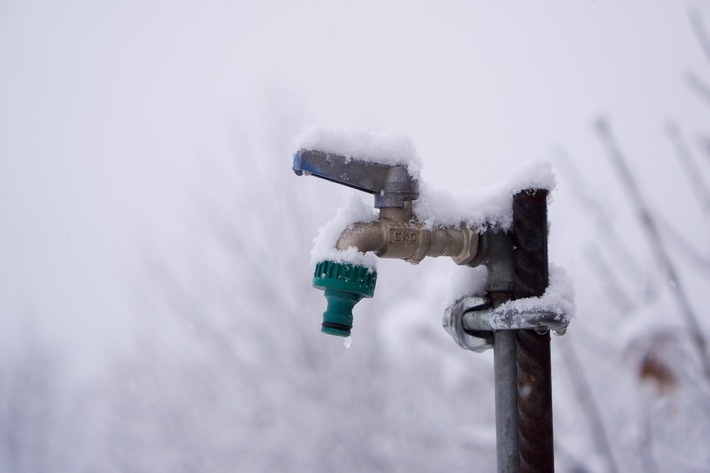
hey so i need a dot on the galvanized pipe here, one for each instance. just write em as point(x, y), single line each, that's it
point(506, 401)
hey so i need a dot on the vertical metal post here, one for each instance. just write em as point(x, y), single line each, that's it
point(506, 397)
point(533, 350)
point(497, 256)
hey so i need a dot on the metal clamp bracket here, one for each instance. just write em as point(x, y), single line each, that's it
point(472, 321)
point(454, 324)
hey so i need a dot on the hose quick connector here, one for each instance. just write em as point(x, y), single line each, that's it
point(344, 286)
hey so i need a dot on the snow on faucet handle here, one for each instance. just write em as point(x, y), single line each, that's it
point(382, 148)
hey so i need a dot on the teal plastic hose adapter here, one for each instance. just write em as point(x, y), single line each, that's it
point(344, 286)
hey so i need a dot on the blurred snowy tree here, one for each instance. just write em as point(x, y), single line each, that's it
point(36, 428)
point(241, 379)
point(652, 285)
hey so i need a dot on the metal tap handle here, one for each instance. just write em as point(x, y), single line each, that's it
point(391, 185)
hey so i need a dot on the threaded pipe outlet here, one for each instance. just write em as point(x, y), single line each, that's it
point(344, 285)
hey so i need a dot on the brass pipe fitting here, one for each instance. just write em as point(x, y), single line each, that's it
point(397, 234)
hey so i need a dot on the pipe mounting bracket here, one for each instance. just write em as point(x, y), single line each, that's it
point(471, 321)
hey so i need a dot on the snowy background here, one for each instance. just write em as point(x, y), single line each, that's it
point(155, 302)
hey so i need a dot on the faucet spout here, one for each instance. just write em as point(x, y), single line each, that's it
point(363, 236)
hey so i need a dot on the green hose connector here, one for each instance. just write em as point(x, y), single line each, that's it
point(344, 286)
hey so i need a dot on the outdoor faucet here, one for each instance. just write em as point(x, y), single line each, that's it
point(397, 233)
point(514, 316)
